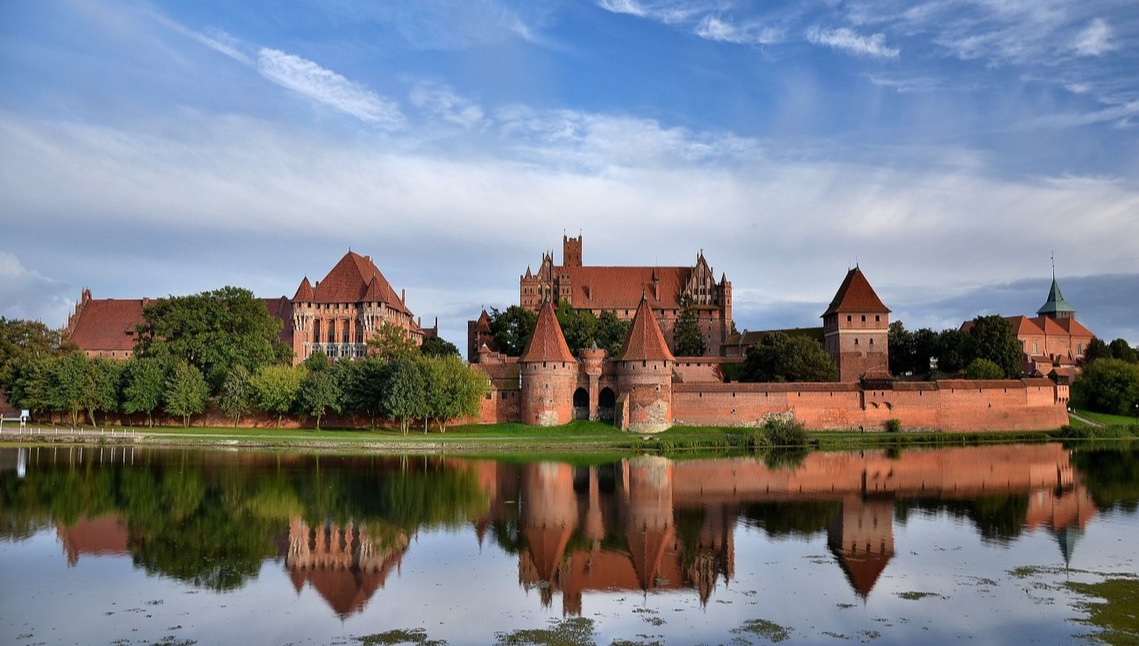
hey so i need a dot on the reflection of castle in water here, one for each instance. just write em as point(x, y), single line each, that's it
point(654, 524)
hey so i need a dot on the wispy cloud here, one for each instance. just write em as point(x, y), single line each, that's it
point(904, 85)
point(327, 87)
point(847, 40)
point(442, 101)
point(717, 28)
point(1094, 40)
point(669, 12)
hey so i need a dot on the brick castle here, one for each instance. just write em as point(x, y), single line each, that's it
point(645, 388)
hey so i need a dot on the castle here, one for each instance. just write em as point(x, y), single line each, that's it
point(337, 316)
point(646, 389)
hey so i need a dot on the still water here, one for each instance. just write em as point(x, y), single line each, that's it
point(984, 545)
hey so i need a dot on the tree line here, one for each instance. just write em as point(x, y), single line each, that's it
point(223, 347)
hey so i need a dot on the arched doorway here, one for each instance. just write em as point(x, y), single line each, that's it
point(606, 402)
point(581, 404)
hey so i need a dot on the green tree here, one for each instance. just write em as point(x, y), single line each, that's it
point(781, 357)
point(901, 345)
point(578, 326)
point(1122, 350)
point(406, 393)
point(390, 340)
point(689, 338)
point(186, 392)
point(981, 368)
point(237, 395)
point(144, 381)
point(319, 393)
point(612, 332)
point(20, 339)
point(951, 354)
point(512, 329)
point(30, 383)
point(68, 384)
point(434, 346)
point(926, 349)
point(364, 385)
point(453, 389)
point(102, 391)
point(275, 389)
point(1109, 386)
point(1097, 349)
point(213, 331)
point(993, 337)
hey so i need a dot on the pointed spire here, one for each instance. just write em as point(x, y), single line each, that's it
point(305, 292)
point(856, 295)
point(1056, 306)
point(645, 341)
point(547, 343)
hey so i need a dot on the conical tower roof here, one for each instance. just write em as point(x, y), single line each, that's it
point(1057, 305)
point(856, 295)
point(547, 343)
point(646, 341)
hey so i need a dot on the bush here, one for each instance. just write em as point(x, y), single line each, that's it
point(785, 431)
point(894, 425)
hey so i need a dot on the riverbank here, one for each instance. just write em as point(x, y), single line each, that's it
point(505, 439)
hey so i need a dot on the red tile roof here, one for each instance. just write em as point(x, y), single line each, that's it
point(646, 341)
point(105, 324)
point(547, 343)
point(305, 293)
point(1074, 327)
point(856, 295)
point(351, 281)
point(622, 287)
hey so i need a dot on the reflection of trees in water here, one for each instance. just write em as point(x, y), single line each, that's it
point(1111, 476)
point(791, 518)
point(998, 519)
point(213, 523)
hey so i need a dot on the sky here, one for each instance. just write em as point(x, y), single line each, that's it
point(951, 149)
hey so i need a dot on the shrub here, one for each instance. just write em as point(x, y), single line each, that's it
point(785, 431)
point(894, 425)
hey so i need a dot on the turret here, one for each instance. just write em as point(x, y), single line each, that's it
point(644, 369)
point(548, 372)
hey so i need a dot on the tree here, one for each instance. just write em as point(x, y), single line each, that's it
point(901, 346)
point(405, 396)
point(992, 337)
point(391, 341)
point(1122, 350)
point(579, 327)
point(186, 392)
point(951, 355)
point(101, 393)
point(275, 389)
point(453, 389)
point(512, 329)
point(318, 394)
point(612, 332)
point(434, 346)
point(689, 340)
point(981, 368)
point(20, 339)
point(781, 357)
point(29, 383)
point(213, 331)
point(68, 384)
point(364, 385)
point(1109, 386)
point(237, 395)
point(144, 380)
point(1097, 349)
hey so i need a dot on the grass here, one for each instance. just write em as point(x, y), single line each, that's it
point(1108, 418)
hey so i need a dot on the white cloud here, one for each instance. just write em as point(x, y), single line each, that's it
point(27, 294)
point(442, 101)
point(327, 87)
point(630, 7)
point(718, 29)
point(1094, 40)
point(847, 40)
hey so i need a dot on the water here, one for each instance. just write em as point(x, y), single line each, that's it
point(977, 545)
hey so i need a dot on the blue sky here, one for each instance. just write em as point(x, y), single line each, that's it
point(947, 147)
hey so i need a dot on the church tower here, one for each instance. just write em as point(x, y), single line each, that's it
point(856, 329)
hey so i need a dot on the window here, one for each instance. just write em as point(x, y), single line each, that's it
point(863, 318)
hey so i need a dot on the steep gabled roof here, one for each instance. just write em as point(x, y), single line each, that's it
point(351, 281)
point(304, 293)
point(856, 295)
point(106, 324)
point(1056, 303)
point(645, 341)
point(547, 343)
point(620, 287)
point(1074, 327)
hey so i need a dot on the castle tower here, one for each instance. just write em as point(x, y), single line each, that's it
point(644, 376)
point(1056, 307)
point(548, 373)
point(856, 329)
point(571, 251)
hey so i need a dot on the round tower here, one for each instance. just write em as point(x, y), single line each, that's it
point(548, 374)
point(644, 376)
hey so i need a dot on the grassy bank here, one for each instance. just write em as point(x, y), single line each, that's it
point(563, 442)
